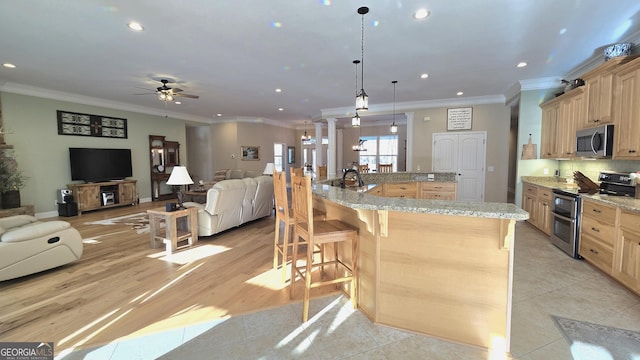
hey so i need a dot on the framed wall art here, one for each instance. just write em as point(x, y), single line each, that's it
point(459, 118)
point(250, 153)
point(70, 123)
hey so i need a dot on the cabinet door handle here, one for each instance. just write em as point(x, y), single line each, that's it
point(593, 251)
point(632, 151)
point(597, 211)
point(594, 229)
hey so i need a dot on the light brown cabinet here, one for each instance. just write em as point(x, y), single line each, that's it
point(548, 146)
point(102, 195)
point(626, 262)
point(437, 191)
point(536, 200)
point(597, 234)
point(417, 190)
point(627, 111)
point(599, 90)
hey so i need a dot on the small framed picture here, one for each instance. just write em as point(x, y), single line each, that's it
point(250, 153)
point(459, 118)
point(291, 154)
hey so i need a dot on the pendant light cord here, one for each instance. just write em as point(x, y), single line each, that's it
point(362, 53)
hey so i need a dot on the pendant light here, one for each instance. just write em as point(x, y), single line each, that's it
point(362, 100)
point(355, 120)
point(305, 137)
point(394, 127)
point(360, 145)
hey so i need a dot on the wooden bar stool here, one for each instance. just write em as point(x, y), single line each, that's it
point(284, 216)
point(314, 233)
point(385, 168)
point(363, 168)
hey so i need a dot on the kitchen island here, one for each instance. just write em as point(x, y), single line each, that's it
point(441, 268)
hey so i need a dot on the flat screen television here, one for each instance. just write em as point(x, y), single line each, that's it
point(97, 165)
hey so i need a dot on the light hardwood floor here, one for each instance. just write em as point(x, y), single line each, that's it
point(121, 287)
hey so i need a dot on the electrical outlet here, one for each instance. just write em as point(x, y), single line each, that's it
point(546, 171)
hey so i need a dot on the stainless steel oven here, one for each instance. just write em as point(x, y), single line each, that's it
point(565, 222)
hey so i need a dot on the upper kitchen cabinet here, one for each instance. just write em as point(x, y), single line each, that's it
point(626, 111)
point(560, 117)
point(599, 89)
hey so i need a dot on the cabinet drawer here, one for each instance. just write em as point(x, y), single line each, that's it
point(376, 191)
point(544, 194)
point(596, 252)
point(603, 232)
point(435, 195)
point(630, 221)
point(438, 186)
point(409, 190)
point(530, 190)
point(604, 213)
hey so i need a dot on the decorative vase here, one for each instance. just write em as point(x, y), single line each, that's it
point(11, 199)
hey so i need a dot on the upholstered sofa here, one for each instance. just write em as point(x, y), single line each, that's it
point(233, 202)
point(227, 174)
point(28, 245)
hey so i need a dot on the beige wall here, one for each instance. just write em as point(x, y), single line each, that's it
point(217, 146)
point(492, 118)
point(43, 155)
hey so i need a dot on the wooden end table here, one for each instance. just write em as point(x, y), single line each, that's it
point(179, 226)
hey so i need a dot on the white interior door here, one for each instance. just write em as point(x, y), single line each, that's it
point(464, 154)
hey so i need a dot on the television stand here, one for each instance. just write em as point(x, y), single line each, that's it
point(102, 195)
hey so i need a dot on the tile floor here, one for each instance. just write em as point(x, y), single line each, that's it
point(546, 282)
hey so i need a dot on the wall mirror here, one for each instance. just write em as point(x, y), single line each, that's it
point(164, 155)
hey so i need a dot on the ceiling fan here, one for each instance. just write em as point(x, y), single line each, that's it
point(166, 93)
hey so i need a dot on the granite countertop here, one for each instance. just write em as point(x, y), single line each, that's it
point(361, 200)
point(623, 202)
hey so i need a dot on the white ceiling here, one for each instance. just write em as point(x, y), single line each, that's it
point(234, 54)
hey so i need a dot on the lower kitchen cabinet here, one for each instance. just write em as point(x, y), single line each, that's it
point(597, 234)
point(626, 262)
point(536, 200)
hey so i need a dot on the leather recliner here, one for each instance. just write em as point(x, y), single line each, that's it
point(28, 246)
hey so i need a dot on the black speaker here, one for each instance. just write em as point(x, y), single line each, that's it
point(65, 196)
point(68, 209)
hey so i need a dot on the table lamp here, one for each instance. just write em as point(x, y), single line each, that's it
point(268, 170)
point(179, 177)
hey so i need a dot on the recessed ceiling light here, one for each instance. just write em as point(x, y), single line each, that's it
point(280, 109)
point(563, 31)
point(278, 90)
point(218, 115)
point(421, 14)
point(424, 76)
point(9, 65)
point(522, 64)
point(460, 93)
point(178, 102)
point(135, 26)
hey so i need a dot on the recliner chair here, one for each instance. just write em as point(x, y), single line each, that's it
point(28, 246)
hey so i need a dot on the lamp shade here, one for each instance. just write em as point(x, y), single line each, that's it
point(179, 176)
point(268, 170)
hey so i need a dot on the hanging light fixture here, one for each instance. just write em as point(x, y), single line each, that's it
point(305, 137)
point(355, 120)
point(394, 127)
point(360, 145)
point(362, 100)
point(165, 96)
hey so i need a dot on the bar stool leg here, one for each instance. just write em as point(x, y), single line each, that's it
point(275, 245)
point(307, 282)
point(285, 250)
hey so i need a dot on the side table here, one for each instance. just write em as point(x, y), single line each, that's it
point(179, 226)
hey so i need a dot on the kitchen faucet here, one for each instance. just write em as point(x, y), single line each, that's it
point(344, 175)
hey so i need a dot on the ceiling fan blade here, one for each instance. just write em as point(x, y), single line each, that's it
point(177, 90)
point(187, 96)
point(147, 93)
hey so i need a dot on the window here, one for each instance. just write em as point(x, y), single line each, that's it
point(278, 156)
point(380, 150)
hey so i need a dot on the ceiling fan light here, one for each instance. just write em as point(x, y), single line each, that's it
point(169, 97)
point(162, 96)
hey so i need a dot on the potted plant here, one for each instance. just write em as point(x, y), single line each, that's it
point(11, 181)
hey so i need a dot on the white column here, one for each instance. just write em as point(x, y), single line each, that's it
point(409, 116)
point(331, 161)
point(319, 157)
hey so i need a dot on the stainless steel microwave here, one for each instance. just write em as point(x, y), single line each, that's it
point(595, 142)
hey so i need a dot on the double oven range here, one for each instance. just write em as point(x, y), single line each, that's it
point(566, 208)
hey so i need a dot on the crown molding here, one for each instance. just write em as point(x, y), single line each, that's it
point(87, 100)
point(386, 108)
point(249, 119)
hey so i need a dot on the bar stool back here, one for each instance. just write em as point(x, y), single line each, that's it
point(314, 233)
point(385, 168)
